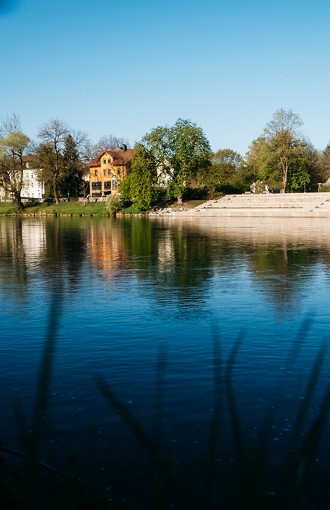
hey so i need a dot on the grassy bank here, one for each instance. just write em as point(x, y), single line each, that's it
point(74, 209)
point(65, 208)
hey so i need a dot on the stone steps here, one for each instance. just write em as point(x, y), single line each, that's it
point(290, 204)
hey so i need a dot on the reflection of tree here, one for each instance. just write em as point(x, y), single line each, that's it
point(65, 250)
point(278, 255)
point(279, 270)
point(175, 258)
point(178, 259)
point(53, 247)
point(13, 257)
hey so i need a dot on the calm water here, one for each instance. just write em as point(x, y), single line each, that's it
point(153, 309)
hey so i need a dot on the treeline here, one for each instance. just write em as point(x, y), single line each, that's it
point(60, 153)
point(177, 162)
point(170, 163)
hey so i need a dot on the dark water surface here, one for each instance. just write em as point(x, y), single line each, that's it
point(153, 310)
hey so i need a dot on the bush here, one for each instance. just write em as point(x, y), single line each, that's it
point(194, 194)
point(113, 204)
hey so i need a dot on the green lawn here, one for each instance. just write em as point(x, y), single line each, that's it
point(69, 208)
point(76, 208)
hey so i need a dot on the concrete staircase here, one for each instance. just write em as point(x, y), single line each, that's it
point(307, 205)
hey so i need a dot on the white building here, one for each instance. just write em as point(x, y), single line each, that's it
point(33, 187)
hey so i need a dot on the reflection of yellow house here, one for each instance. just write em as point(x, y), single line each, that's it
point(107, 250)
point(107, 171)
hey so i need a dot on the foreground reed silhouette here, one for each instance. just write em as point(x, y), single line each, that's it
point(255, 483)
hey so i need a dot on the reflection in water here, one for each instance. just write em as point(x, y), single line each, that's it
point(12, 252)
point(107, 250)
point(180, 255)
point(278, 254)
point(133, 290)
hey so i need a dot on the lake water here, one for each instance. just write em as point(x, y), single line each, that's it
point(168, 349)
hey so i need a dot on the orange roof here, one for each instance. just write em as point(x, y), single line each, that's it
point(120, 157)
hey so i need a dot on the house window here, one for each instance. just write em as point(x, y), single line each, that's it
point(109, 161)
point(96, 185)
point(104, 162)
point(107, 184)
point(104, 173)
point(109, 172)
point(95, 173)
point(114, 183)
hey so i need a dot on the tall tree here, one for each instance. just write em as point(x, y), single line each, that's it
point(141, 184)
point(13, 144)
point(61, 154)
point(325, 164)
point(71, 178)
point(283, 120)
point(280, 156)
point(181, 153)
point(50, 153)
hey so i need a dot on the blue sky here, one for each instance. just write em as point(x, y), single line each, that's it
point(124, 67)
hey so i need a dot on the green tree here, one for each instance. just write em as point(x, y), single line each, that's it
point(316, 170)
point(280, 157)
point(13, 144)
point(181, 154)
point(141, 185)
point(228, 172)
point(324, 165)
point(71, 178)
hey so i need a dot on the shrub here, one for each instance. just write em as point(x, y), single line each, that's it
point(113, 204)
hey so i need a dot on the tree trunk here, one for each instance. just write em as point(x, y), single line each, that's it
point(285, 170)
point(57, 200)
point(18, 201)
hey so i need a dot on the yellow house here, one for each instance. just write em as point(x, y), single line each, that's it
point(107, 171)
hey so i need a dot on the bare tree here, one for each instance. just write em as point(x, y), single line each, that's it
point(50, 152)
point(108, 142)
point(13, 144)
point(283, 120)
point(83, 144)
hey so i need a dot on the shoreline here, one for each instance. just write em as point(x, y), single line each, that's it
point(289, 205)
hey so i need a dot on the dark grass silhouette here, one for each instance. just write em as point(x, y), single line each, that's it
point(255, 482)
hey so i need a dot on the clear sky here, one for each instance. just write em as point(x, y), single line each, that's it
point(124, 67)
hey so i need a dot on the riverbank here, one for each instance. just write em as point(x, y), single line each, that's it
point(79, 209)
point(61, 209)
point(290, 205)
